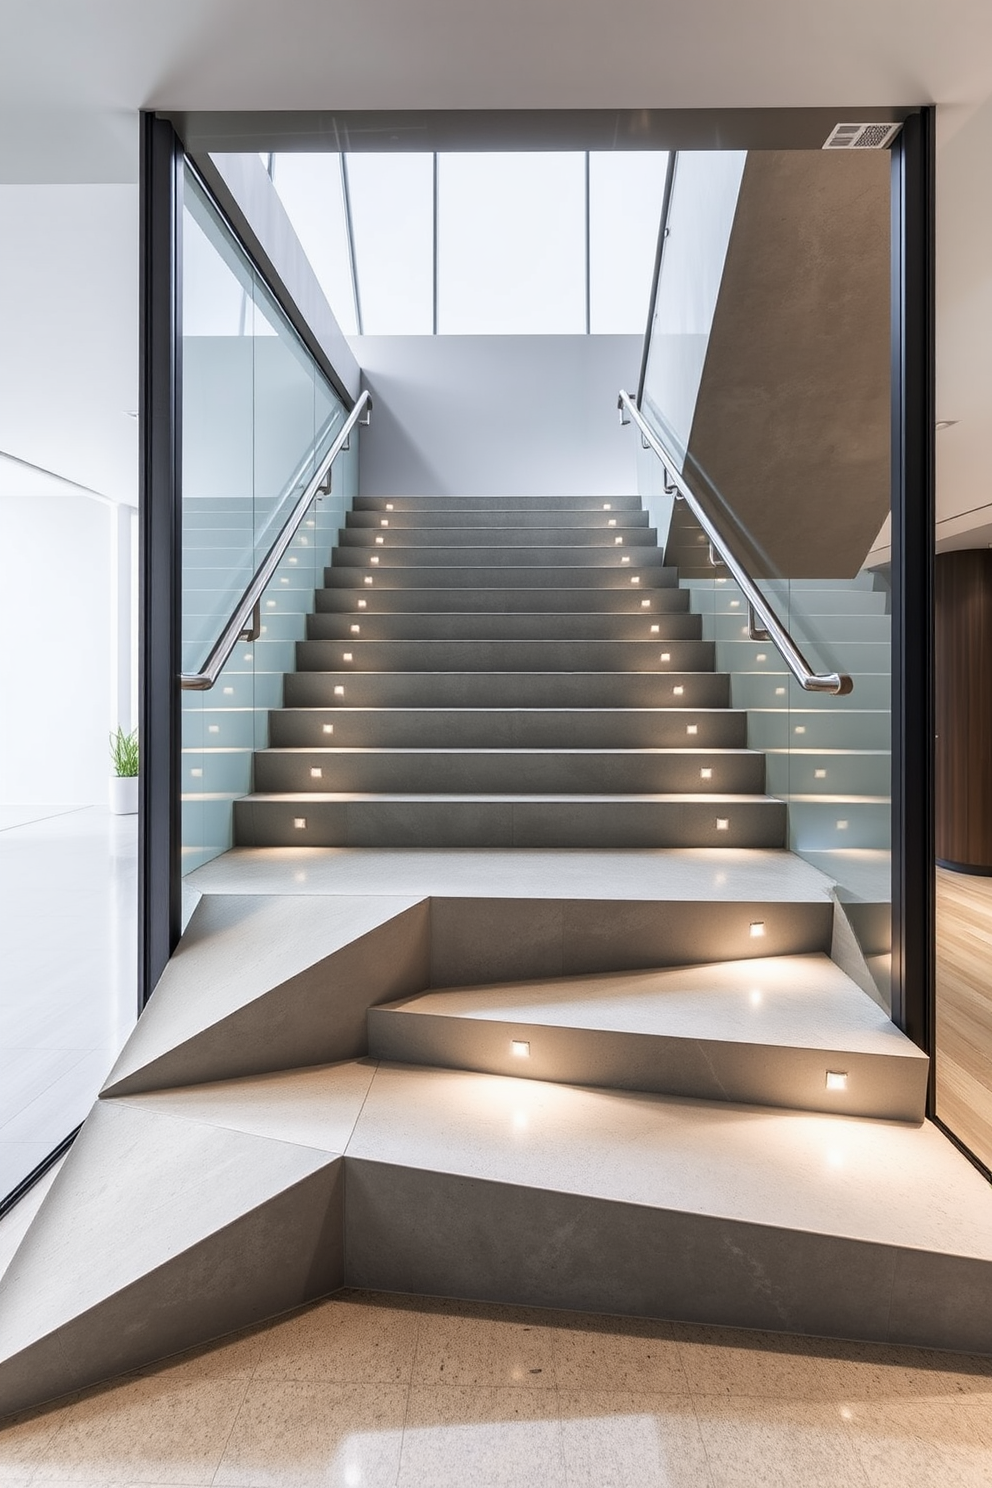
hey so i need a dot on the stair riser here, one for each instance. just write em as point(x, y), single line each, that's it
point(386, 504)
point(482, 728)
point(510, 1243)
point(816, 826)
point(350, 576)
point(850, 774)
point(822, 604)
point(501, 601)
point(838, 631)
point(856, 658)
point(504, 690)
point(504, 656)
point(851, 729)
point(507, 823)
point(889, 1088)
point(497, 520)
point(503, 627)
point(496, 556)
point(751, 690)
point(484, 772)
point(602, 539)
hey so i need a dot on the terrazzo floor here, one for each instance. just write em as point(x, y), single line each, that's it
point(369, 1391)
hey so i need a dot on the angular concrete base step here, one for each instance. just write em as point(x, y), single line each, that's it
point(356, 820)
point(760, 1032)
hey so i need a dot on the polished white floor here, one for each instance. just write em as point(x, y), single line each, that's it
point(68, 970)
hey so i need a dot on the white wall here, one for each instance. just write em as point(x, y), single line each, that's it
point(57, 659)
point(497, 415)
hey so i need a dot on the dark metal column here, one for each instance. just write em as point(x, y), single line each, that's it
point(912, 569)
point(160, 549)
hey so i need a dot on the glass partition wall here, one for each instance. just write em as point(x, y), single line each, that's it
point(258, 415)
point(827, 756)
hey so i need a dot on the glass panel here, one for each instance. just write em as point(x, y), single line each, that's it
point(309, 187)
point(258, 415)
point(626, 188)
point(700, 219)
point(826, 756)
point(392, 213)
point(511, 244)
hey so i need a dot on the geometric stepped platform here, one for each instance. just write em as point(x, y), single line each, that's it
point(764, 1031)
point(607, 1201)
point(260, 984)
point(174, 1223)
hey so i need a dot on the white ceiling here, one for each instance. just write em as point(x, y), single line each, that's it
point(73, 74)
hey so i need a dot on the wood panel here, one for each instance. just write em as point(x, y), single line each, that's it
point(964, 1009)
point(963, 669)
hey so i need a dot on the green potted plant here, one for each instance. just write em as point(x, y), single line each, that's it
point(124, 780)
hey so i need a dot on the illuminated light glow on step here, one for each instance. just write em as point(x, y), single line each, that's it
point(520, 1121)
point(283, 580)
point(678, 691)
point(294, 560)
point(368, 578)
point(384, 522)
point(780, 692)
point(355, 629)
point(213, 728)
point(263, 629)
point(304, 541)
point(819, 774)
point(328, 728)
point(299, 822)
point(666, 656)
point(310, 522)
point(300, 876)
point(691, 728)
point(197, 774)
point(800, 728)
point(634, 578)
point(842, 826)
point(228, 691)
point(612, 522)
point(339, 692)
point(754, 996)
point(270, 604)
point(247, 656)
point(316, 773)
point(723, 581)
point(743, 630)
point(735, 604)
point(836, 1079)
point(761, 656)
point(655, 629)
point(625, 559)
point(347, 656)
point(645, 604)
point(389, 506)
point(520, 1048)
point(723, 823)
point(756, 929)
point(618, 542)
point(374, 559)
point(607, 505)
point(379, 541)
point(706, 774)
point(363, 604)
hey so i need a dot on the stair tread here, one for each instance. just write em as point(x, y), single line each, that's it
point(709, 798)
point(798, 1001)
point(884, 1183)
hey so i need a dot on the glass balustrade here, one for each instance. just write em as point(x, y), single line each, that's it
point(258, 415)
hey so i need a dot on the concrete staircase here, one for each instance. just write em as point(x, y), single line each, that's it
point(496, 672)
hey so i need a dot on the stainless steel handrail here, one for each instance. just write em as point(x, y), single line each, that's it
point(246, 609)
point(759, 608)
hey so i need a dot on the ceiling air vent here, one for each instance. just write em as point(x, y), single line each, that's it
point(861, 136)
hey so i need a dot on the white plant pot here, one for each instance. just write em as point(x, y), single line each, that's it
point(124, 795)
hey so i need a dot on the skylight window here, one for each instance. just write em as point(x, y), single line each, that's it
point(392, 212)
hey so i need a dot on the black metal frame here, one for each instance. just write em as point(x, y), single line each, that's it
point(160, 550)
point(913, 402)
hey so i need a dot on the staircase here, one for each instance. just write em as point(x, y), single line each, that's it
point(497, 672)
point(511, 990)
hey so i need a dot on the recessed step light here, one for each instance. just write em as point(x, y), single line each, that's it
point(836, 1079)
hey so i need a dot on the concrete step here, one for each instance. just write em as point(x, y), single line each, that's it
point(807, 630)
point(600, 538)
point(760, 1032)
point(496, 503)
point(358, 574)
point(857, 658)
point(496, 556)
point(773, 690)
point(573, 625)
point(386, 598)
point(506, 690)
point(507, 728)
point(561, 771)
point(830, 772)
point(498, 518)
point(853, 728)
point(354, 820)
point(720, 599)
point(359, 655)
point(817, 824)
